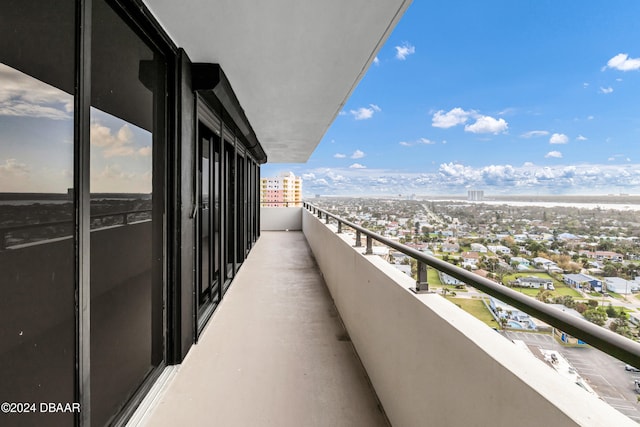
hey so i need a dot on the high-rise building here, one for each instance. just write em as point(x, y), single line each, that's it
point(475, 195)
point(281, 191)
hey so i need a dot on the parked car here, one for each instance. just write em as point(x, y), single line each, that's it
point(631, 368)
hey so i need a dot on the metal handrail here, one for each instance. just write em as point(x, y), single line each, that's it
point(9, 229)
point(608, 341)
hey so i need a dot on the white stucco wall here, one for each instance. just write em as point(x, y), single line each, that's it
point(434, 364)
point(280, 219)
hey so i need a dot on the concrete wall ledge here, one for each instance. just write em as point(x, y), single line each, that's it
point(280, 219)
point(431, 363)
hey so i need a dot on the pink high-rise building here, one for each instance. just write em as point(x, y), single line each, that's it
point(281, 191)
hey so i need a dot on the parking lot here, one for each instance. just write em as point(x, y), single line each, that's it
point(605, 374)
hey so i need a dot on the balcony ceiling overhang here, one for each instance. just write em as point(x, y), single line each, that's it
point(291, 63)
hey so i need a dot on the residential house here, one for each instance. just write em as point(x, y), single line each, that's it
point(450, 247)
point(583, 281)
point(470, 258)
point(620, 285)
point(521, 261)
point(478, 247)
point(448, 280)
point(534, 282)
point(499, 249)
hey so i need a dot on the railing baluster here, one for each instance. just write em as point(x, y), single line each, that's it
point(339, 226)
point(421, 280)
point(601, 338)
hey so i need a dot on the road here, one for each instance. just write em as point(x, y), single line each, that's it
point(434, 218)
point(605, 374)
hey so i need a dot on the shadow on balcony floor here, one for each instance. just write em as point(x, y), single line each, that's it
point(274, 354)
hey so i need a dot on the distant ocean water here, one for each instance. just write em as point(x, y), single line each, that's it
point(32, 202)
point(605, 206)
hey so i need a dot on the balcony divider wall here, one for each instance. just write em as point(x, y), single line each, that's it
point(101, 265)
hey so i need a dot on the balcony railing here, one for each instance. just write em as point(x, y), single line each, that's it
point(605, 340)
point(121, 218)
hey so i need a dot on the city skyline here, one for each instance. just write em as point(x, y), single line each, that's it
point(522, 98)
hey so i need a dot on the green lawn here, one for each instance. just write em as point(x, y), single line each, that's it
point(433, 278)
point(512, 277)
point(561, 290)
point(566, 290)
point(476, 308)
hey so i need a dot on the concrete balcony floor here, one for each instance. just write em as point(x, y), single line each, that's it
point(275, 353)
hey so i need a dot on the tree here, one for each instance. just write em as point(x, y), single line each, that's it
point(534, 247)
point(605, 245)
point(597, 316)
point(611, 311)
point(503, 322)
point(610, 270)
point(621, 325)
point(544, 296)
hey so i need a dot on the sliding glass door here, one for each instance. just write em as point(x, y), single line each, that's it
point(208, 221)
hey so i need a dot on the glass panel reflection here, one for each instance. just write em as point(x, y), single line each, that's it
point(37, 261)
point(126, 213)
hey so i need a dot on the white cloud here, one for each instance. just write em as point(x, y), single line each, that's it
point(13, 168)
point(15, 176)
point(553, 154)
point(606, 90)
point(534, 133)
point(622, 62)
point(404, 50)
point(357, 154)
point(558, 138)
point(376, 61)
point(487, 124)
point(419, 141)
point(581, 138)
point(585, 85)
point(145, 151)
point(23, 96)
point(339, 156)
point(357, 166)
point(458, 116)
point(455, 178)
point(113, 179)
point(364, 113)
point(455, 116)
point(308, 176)
point(119, 144)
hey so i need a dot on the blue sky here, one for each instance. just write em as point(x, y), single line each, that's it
point(526, 97)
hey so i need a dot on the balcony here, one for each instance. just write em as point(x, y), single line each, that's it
point(276, 351)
